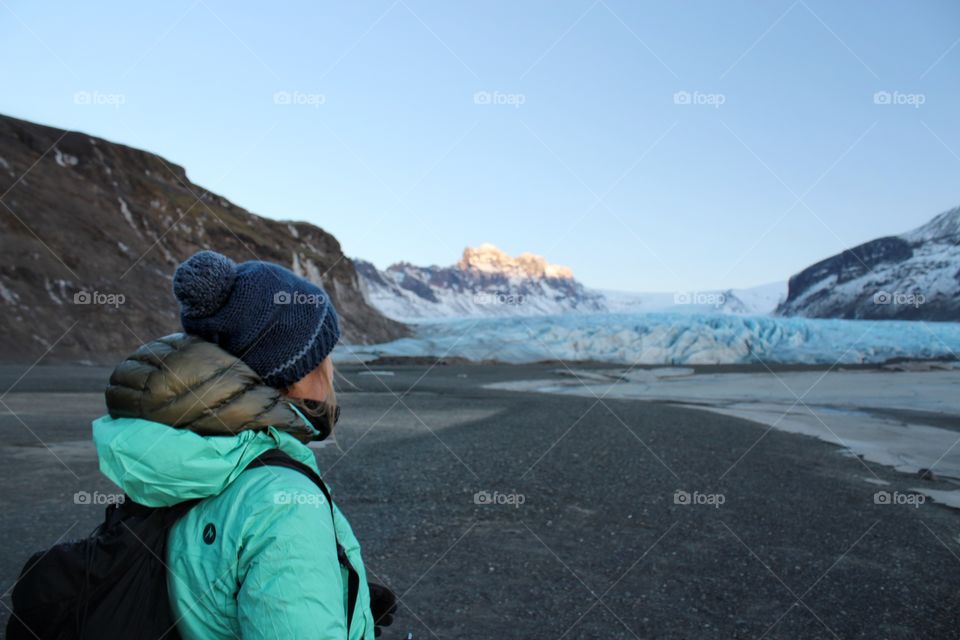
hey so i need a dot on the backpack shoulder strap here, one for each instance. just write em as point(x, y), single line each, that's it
point(278, 458)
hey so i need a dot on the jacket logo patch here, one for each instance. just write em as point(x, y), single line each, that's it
point(209, 533)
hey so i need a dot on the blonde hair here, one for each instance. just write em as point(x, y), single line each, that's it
point(330, 400)
point(319, 381)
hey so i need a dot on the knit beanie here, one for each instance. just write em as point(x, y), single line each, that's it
point(278, 323)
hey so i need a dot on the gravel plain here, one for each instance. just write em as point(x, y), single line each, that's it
point(498, 514)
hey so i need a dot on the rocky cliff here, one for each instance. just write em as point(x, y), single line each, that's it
point(913, 276)
point(92, 232)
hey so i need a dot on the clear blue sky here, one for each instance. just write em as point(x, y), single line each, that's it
point(400, 162)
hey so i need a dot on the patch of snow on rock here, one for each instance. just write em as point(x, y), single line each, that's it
point(51, 292)
point(125, 210)
point(65, 159)
point(8, 296)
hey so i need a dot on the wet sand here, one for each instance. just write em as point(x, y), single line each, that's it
point(906, 417)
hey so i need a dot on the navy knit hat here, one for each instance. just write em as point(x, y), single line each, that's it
point(280, 324)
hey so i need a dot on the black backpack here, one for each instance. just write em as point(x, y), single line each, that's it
point(114, 583)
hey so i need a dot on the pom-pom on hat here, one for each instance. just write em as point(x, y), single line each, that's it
point(280, 324)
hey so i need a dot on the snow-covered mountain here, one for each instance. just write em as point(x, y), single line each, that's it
point(914, 276)
point(488, 282)
point(759, 300)
point(485, 282)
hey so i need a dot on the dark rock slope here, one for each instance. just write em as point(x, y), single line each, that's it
point(913, 276)
point(90, 234)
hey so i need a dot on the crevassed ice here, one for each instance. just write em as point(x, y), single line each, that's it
point(656, 338)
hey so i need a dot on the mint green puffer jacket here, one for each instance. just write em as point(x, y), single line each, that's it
point(256, 558)
point(271, 569)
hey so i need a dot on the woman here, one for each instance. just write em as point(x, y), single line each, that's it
point(257, 556)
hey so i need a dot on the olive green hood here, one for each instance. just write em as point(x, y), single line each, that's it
point(185, 382)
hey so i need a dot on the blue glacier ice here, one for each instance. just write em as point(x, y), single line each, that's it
point(661, 338)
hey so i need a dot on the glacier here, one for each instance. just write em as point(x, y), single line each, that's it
point(671, 338)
